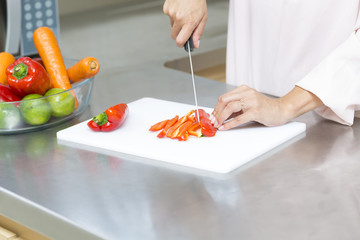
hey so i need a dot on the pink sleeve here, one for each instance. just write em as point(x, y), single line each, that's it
point(336, 81)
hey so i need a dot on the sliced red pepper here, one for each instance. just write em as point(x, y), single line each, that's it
point(178, 123)
point(183, 137)
point(109, 120)
point(175, 126)
point(162, 134)
point(207, 128)
point(26, 76)
point(158, 126)
point(192, 118)
point(181, 130)
point(193, 129)
point(171, 122)
point(189, 116)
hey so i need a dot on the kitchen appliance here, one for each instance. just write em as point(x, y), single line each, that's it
point(223, 153)
point(19, 19)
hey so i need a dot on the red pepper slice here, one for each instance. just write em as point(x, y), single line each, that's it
point(158, 126)
point(162, 134)
point(183, 137)
point(207, 129)
point(6, 95)
point(26, 76)
point(171, 122)
point(109, 120)
point(181, 130)
point(189, 116)
point(175, 126)
point(193, 129)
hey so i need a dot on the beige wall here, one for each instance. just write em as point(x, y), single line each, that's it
point(75, 6)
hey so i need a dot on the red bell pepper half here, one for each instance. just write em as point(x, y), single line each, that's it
point(207, 129)
point(26, 76)
point(109, 120)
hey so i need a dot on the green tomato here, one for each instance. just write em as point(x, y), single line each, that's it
point(35, 110)
point(9, 115)
point(62, 104)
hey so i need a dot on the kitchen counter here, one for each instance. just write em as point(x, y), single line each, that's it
point(308, 189)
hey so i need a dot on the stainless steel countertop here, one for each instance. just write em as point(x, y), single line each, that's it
point(309, 189)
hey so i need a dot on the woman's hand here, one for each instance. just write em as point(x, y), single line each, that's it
point(245, 104)
point(186, 17)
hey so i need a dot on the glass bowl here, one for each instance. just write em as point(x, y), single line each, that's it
point(22, 116)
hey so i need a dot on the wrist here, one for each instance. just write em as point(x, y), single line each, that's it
point(297, 102)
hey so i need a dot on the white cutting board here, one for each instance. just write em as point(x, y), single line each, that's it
point(223, 153)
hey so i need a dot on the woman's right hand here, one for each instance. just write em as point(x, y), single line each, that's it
point(186, 17)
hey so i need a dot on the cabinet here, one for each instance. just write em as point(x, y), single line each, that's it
point(11, 230)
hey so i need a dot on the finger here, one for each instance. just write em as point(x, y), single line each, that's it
point(171, 22)
point(166, 8)
point(224, 100)
point(235, 114)
point(198, 32)
point(230, 108)
point(184, 34)
point(176, 28)
point(237, 94)
point(237, 121)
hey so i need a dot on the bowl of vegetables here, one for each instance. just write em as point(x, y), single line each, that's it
point(36, 111)
point(37, 93)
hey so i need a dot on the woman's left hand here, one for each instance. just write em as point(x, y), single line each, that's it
point(245, 104)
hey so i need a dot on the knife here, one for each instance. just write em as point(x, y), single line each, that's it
point(189, 47)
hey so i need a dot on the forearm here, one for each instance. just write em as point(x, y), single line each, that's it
point(299, 101)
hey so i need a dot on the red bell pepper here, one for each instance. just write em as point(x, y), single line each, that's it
point(109, 120)
point(6, 95)
point(207, 128)
point(26, 76)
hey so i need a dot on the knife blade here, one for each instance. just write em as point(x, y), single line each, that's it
point(189, 47)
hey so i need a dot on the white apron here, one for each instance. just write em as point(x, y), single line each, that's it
point(275, 45)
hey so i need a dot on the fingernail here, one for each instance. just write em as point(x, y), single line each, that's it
point(211, 117)
point(221, 128)
point(214, 121)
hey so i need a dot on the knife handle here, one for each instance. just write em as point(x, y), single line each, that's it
point(186, 46)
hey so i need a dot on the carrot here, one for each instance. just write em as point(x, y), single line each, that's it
point(48, 48)
point(86, 68)
point(5, 60)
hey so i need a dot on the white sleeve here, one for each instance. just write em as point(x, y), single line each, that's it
point(336, 81)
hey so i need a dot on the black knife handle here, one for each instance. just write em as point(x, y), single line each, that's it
point(186, 46)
